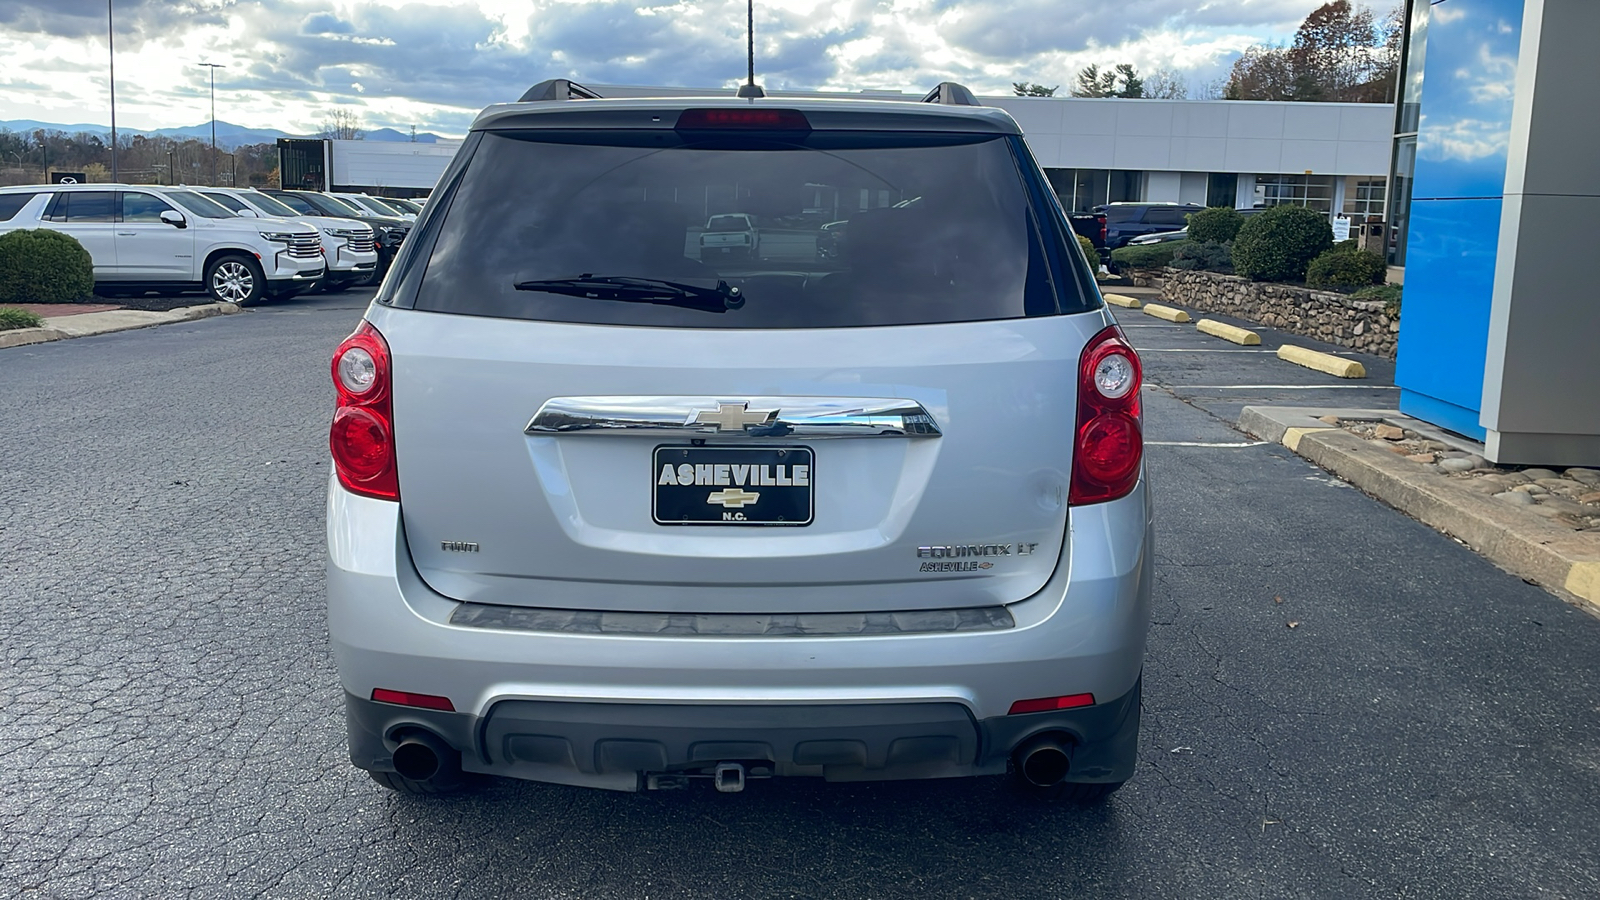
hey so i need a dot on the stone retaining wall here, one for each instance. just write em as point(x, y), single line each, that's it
point(1324, 315)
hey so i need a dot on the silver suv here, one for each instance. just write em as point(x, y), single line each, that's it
point(605, 513)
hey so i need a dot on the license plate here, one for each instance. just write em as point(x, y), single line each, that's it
point(733, 485)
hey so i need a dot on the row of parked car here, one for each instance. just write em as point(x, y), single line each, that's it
point(240, 245)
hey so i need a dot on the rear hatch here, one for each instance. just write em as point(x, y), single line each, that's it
point(588, 416)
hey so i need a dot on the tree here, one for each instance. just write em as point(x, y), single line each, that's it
point(341, 124)
point(1121, 81)
point(1165, 85)
point(1022, 88)
point(1340, 53)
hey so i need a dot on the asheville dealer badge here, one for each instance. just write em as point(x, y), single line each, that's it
point(733, 485)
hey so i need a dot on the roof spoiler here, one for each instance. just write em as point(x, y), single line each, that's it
point(558, 89)
point(951, 94)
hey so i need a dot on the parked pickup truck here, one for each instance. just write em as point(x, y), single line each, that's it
point(730, 234)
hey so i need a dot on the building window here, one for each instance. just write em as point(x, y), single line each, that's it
point(1081, 190)
point(1364, 200)
point(1222, 190)
point(1311, 191)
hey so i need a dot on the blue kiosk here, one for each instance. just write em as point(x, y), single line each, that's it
point(1498, 155)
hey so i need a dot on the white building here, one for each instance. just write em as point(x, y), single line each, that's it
point(1331, 157)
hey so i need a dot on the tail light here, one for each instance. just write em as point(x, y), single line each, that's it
point(362, 436)
point(742, 118)
point(1102, 220)
point(1109, 441)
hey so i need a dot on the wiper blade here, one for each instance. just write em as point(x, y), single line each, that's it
point(641, 290)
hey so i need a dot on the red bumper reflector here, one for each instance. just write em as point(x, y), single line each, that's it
point(406, 698)
point(1046, 704)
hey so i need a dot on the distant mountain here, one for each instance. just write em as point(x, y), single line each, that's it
point(229, 135)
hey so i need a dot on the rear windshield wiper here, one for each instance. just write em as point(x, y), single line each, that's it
point(641, 290)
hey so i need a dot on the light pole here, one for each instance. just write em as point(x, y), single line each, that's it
point(213, 67)
point(111, 49)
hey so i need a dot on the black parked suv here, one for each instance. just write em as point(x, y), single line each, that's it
point(389, 231)
point(1126, 221)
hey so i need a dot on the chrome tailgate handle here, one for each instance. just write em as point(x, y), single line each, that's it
point(810, 418)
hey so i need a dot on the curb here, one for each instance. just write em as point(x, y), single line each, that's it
point(1122, 300)
point(1336, 366)
point(1523, 544)
point(1233, 333)
point(89, 324)
point(1169, 313)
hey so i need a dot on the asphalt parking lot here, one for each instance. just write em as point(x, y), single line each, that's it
point(1339, 701)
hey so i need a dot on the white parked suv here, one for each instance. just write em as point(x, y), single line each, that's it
point(145, 238)
point(347, 245)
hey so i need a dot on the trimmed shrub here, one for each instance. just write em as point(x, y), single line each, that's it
point(11, 317)
point(1215, 225)
point(1279, 243)
point(1203, 256)
point(44, 266)
point(1146, 256)
point(1089, 252)
point(1348, 269)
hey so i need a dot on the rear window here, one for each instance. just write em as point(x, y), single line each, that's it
point(11, 204)
point(937, 228)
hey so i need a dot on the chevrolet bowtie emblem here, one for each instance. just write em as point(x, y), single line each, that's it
point(734, 498)
point(735, 417)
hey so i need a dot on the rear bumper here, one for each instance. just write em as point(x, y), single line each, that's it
point(620, 746)
point(1084, 632)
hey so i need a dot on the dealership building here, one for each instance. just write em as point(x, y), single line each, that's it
point(1331, 157)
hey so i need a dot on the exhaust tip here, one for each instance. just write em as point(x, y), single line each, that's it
point(416, 759)
point(1044, 761)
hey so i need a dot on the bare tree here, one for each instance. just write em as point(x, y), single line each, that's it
point(341, 124)
point(1164, 84)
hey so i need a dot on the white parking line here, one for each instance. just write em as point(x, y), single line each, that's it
point(1227, 444)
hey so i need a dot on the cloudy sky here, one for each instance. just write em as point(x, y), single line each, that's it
point(435, 63)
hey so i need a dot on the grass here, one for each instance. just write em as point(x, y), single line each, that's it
point(13, 318)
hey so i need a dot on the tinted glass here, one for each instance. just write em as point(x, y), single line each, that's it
point(939, 229)
point(200, 206)
point(1167, 215)
point(88, 206)
point(269, 206)
point(298, 204)
point(232, 203)
point(1123, 213)
point(138, 207)
point(340, 206)
point(11, 204)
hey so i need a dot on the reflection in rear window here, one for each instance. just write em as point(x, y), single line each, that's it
point(939, 230)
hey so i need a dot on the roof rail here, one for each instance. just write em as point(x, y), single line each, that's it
point(558, 89)
point(951, 94)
